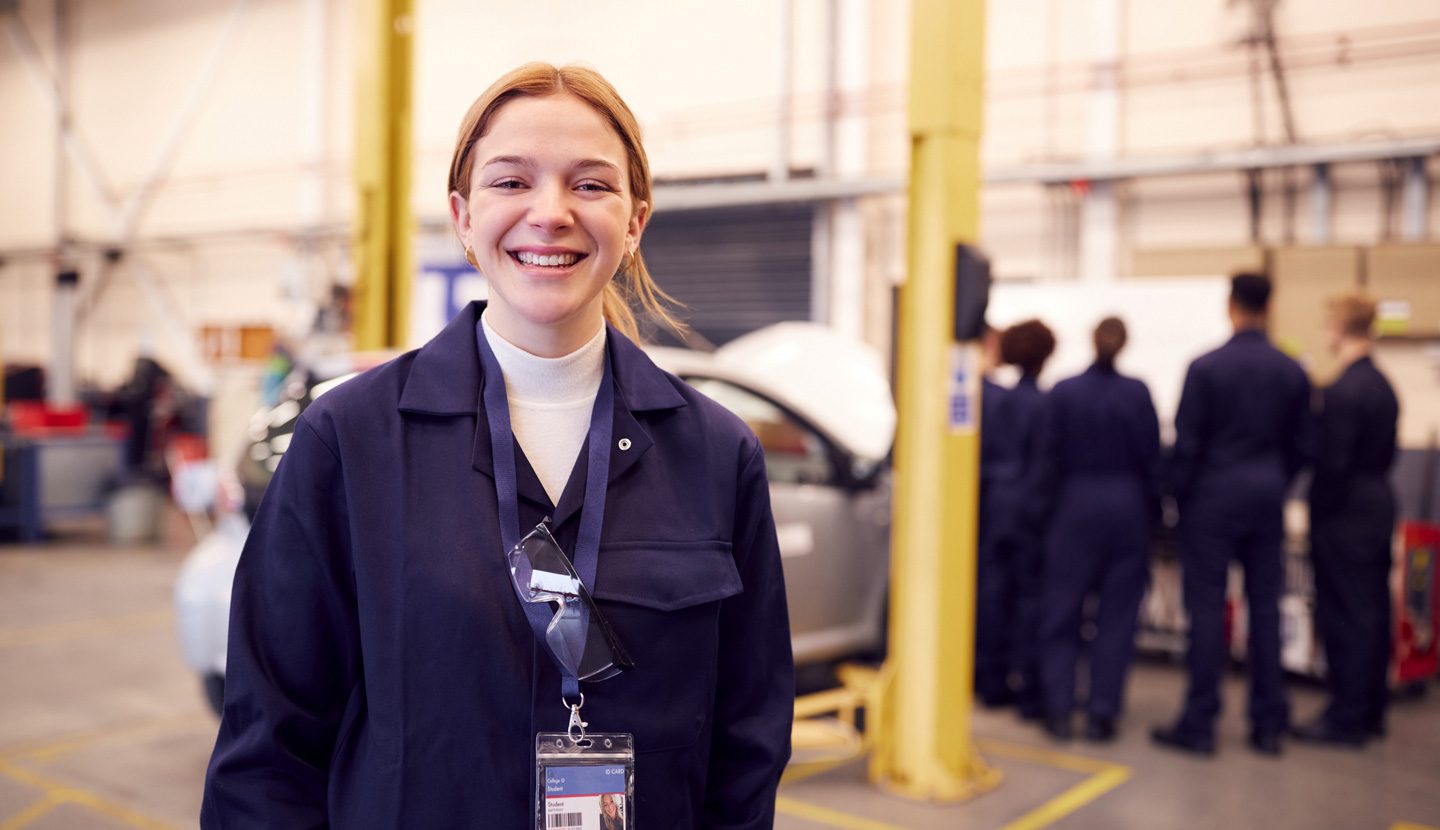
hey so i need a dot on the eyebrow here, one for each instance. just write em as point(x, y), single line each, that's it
point(526, 161)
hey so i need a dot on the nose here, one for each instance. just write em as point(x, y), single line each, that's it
point(550, 209)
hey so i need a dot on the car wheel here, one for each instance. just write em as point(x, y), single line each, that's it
point(214, 691)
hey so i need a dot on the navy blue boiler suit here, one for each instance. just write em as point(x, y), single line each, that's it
point(1101, 452)
point(1022, 519)
point(381, 671)
point(1000, 468)
point(1242, 432)
point(1352, 521)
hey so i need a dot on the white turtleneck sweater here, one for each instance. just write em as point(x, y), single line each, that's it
point(550, 403)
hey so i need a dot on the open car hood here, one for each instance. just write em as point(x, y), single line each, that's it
point(836, 382)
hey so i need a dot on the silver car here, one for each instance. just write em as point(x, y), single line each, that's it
point(822, 409)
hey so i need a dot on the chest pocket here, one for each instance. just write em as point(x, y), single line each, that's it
point(663, 600)
point(667, 576)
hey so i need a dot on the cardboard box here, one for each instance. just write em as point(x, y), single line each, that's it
point(1215, 261)
point(1405, 279)
point(1305, 279)
point(228, 344)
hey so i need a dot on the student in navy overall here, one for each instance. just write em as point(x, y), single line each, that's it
point(1242, 432)
point(1000, 468)
point(1100, 457)
point(1018, 514)
point(382, 672)
point(1352, 522)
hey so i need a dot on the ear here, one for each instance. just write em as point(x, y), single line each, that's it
point(460, 217)
point(638, 218)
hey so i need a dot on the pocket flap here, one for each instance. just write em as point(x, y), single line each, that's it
point(667, 576)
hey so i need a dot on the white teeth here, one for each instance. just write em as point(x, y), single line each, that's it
point(551, 260)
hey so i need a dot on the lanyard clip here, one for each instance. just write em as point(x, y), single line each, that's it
point(575, 722)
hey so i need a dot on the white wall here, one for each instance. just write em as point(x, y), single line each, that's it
point(702, 78)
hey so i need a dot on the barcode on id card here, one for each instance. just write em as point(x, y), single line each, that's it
point(566, 821)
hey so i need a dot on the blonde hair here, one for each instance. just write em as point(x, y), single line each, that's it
point(1354, 312)
point(633, 286)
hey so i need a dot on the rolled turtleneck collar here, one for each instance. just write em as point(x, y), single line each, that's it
point(550, 403)
point(554, 381)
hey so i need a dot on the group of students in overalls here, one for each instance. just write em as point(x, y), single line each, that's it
point(1071, 493)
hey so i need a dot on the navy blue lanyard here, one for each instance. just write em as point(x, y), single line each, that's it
point(597, 480)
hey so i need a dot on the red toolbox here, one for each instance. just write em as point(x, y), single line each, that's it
point(1417, 616)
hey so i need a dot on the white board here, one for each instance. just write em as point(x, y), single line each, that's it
point(1170, 321)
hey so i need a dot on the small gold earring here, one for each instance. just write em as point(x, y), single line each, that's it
point(470, 257)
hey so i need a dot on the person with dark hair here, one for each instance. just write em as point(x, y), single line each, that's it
point(994, 585)
point(1027, 346)
point(139, 400)
point(1251, 293)
point(1352, 519)
point(1242, 433)
point(1019, 540)
point(1100, 469)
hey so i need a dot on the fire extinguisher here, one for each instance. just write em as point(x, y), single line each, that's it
point(1417, 641)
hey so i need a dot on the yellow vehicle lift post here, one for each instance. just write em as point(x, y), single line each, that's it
point(384, 226)
point(922, 744)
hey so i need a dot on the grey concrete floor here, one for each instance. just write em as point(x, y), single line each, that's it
point(1389, 784)
point(102, 726)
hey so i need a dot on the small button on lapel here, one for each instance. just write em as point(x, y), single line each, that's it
point(624, 444)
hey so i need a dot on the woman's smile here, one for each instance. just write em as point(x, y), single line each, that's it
point(547, 261)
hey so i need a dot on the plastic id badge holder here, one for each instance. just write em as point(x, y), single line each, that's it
point(584, 783)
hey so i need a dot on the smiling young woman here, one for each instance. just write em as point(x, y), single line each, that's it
point(391, 662)
point(564, 131)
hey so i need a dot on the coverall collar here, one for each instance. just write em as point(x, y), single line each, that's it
point(446, 379)
point(1362, 362)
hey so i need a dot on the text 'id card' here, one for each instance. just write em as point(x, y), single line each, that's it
point(585, 784)
point(585, 798)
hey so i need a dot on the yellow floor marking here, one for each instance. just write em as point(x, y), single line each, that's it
point(30, 814)
point(1104, 776)
point(79, 629)
point(65, 794)
point(52, 749)
point(1071, 800)
point(799, 772)
point(1101, 778)
point(827, 816)
point(1399, 825)
point(1045, 757)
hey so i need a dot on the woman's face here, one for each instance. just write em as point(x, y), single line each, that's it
point(609, 807)
point(549, 217)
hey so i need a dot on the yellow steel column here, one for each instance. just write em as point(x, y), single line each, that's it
point(384, 227)
point(923, 746)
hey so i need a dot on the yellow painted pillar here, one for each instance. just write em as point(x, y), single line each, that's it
point(923, 746)
point(384, 226)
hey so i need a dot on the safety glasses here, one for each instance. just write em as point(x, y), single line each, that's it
point(578, 635)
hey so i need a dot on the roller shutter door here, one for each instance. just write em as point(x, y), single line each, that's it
point(735, 269)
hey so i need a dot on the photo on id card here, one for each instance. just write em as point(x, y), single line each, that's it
point(590, 797)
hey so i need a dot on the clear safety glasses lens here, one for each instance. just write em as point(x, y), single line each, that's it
point(578, 635)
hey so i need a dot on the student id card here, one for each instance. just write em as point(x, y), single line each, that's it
point(584, 787)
